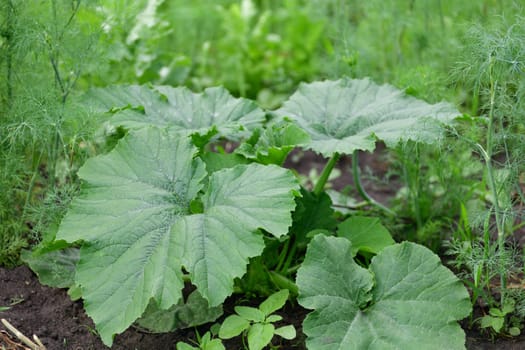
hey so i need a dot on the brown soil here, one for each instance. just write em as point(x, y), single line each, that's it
point(62, 324)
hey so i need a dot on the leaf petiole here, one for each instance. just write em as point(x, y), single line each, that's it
point(319, 186)
point(360, 188)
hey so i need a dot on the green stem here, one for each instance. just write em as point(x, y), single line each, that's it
point(54, 151)
point(282, 256)
point(9, 37)
point(360, 188)
point(64, 86)
point(31, 185)
point(319, 186)
point(289, 259)
point(492, 184)
point(518, 226)
point(414, 190)
point(352, 207)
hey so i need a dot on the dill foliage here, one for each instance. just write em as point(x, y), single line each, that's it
point(45, 52)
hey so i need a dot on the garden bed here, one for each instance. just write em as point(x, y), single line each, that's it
point(62, 324)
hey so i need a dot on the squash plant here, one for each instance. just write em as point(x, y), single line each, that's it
point(163, 209)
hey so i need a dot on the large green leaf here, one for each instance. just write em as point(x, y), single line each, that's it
point(407, 300)
point(366, 234)
point(214, 110)
point(133, 215)
point(346, 115)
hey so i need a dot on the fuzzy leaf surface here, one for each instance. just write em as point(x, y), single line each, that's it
point(138, 106)
point(412, 301)
point(133, 217)
point(218, 243)
point(350, 114)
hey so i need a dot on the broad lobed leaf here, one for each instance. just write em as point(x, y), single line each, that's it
point(350, 114)
point(138, 233)
point(138, 106)
point(413, 302)
point(130, 199)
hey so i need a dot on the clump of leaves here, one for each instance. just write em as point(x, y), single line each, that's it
point(498, 319)
point(162, 209)
point(480, 263)
point(257, 324)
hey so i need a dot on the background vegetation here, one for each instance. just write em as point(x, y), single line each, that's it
point(465, 197)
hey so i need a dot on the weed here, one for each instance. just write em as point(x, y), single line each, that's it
point(256, 324)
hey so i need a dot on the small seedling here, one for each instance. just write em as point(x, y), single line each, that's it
point(206, 342)
point(256, 324)
point(496, 319)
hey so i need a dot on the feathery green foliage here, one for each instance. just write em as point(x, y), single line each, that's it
point(45, 49)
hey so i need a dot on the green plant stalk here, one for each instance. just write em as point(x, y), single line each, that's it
point(486, 252)
point(319, 186)
point(286, 256)
point(54, 56)
point(10, 9)
point(289, 258)
point(415, 193)
point(492, 183)
point(414, 187)
point(64, 87)
point(518, 226)
point(55, 144)
point(282, 256)
point(360, 188)
point(31, 186)
point(283, 282)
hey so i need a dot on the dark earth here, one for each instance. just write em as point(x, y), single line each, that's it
point(61, 323)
